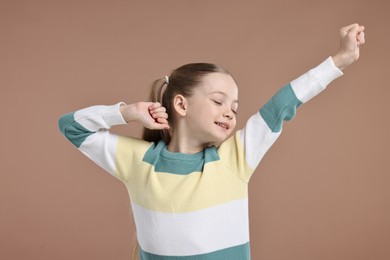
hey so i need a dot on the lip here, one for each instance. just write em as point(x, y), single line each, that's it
point(223, 125)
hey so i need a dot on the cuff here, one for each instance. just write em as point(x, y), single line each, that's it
point(327, 71)
point(112, 115)
point(315, 80)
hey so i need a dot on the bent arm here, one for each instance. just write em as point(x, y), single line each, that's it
point(88, 130)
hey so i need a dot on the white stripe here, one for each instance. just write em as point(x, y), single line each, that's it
point(97, 117)
point(100, 147)
point(192, 233)
point(257, 138)
point(315, 80)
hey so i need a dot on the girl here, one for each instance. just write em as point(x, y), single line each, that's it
point(188, 179)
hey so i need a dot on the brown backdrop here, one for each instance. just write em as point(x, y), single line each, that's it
point(322, 191)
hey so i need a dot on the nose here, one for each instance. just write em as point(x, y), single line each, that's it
point(228, 114)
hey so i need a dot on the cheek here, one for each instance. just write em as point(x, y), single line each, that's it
point(198, 116)
point(207, 111)
point(234, 126)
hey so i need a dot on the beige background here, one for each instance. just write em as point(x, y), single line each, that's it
point(322, 191)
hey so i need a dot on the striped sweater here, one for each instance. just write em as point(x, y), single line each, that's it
point(191, 206)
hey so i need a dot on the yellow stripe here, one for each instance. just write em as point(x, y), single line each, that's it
point(164, 192)
point(232, 151)
point(129, 153)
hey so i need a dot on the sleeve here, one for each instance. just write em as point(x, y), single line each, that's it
point(246, 148)
point(88, 130)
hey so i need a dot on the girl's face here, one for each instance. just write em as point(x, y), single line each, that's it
point(212, 109)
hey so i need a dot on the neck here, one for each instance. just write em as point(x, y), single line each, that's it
point(182, 145)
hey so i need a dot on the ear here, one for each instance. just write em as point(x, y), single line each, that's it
point(180, 105)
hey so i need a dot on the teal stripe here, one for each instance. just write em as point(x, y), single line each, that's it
point(72, 130)
point(178, 163)
point(240, 252)
point(282, 106)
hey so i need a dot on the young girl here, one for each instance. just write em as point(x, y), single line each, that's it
point(188, 179)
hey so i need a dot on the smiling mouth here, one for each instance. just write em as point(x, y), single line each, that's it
point(223, 125)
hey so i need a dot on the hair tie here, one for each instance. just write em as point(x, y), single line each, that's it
point(166, 79)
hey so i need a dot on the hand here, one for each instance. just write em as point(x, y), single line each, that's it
point(351, 37)
point(150, 115)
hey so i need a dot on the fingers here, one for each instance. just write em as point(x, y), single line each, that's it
point(354, 29)
point(158, 111)
point(161, 123)
point(357, 32)
point(160, 116)
point(154, 105)
point(344, 30)
point(360, 38)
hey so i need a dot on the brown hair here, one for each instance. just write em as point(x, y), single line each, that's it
point(181, 81)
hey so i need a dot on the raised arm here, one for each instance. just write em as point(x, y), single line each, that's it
point(251, 143)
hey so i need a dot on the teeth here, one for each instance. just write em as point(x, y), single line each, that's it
point(222, 125)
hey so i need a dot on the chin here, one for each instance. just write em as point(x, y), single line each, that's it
point(216, 139)
point(217, 142)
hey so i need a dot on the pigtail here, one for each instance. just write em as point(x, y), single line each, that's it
point(157, 92)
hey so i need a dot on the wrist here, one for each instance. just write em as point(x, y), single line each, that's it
point(128, 112)
point(342, 60)
point(339, 61)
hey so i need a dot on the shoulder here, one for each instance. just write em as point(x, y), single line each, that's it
point(133, 145)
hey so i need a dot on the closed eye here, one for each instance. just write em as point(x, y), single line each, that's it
point(220, 103)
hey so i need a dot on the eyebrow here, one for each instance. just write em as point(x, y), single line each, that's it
point(223, 93)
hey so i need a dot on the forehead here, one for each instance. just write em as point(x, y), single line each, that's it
point(219, 82)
